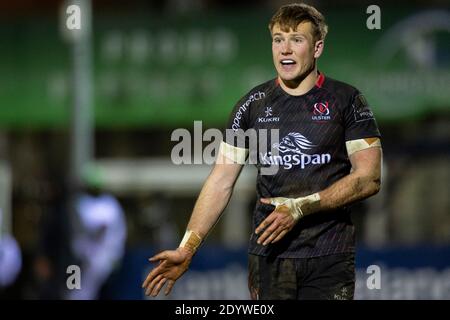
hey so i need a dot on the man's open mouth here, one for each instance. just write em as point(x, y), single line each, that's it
point(286, 62)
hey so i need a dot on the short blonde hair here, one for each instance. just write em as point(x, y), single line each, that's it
point(291, 15)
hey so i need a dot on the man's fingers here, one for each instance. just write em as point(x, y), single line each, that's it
point(280, 236)
point(267, 233)
point(266, 200)
point(272, 233)
point(278, 227)
point(151, 284)
point(265, 223)
point(144, 284)
point(155, 281)
point(158, 287)
point(147, 287)
point(169, 287)
point(147, 280)
point(159, 256)
point(272, 236)
point(263, 237)
point(154, 273)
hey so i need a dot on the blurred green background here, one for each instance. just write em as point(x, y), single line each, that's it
point(153, 70)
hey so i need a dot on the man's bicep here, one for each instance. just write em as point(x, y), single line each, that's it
point(225, 170)
point(367, 161)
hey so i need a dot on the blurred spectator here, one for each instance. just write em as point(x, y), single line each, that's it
point(10, 258)
point(98, 241)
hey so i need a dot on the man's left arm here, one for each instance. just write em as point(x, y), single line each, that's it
point(363, 181)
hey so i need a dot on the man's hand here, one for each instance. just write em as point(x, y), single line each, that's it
point(285, 216)
point(172, 265)
point(277, 224)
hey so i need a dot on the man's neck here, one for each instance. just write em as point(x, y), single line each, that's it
point(300, 87)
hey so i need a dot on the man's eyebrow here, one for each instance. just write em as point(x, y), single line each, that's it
point(296, 34)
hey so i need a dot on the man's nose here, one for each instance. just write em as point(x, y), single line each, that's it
point(286, 49)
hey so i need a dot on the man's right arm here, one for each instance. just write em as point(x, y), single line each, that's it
point(213, 199)
point(214, 196)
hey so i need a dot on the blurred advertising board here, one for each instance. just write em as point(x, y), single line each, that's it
point(167, 71)
point(217, 273)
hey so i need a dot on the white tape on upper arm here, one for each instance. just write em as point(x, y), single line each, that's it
point(361, 144)
point(235, 154)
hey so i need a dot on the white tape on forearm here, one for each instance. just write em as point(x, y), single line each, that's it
point(235, 154)
point(361, 144)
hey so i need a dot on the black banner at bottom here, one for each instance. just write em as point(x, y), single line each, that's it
point(214, 309)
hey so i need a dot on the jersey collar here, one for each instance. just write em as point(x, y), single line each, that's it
point(319, 82)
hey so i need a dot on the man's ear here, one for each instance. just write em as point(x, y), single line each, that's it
point(318, 48)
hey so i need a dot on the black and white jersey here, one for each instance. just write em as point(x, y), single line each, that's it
point(310, 156)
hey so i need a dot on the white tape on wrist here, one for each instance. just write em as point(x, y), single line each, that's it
point(299, 207)
point(306, 205)
point(191, 240)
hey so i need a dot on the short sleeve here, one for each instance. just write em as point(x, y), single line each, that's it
point(236, 133)
point(359, 119)
point(239, 117)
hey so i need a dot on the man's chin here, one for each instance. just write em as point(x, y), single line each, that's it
point(290, 81)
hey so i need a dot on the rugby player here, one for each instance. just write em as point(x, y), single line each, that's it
point(329, 156)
